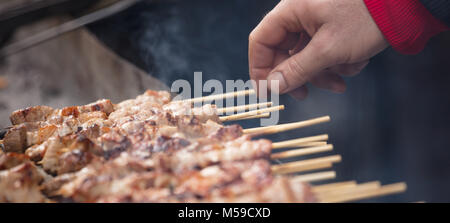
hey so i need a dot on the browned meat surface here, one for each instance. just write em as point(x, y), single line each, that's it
point(16, 139)
point(103, 105)
point(279, 190)
point(146, 149)
point(31, 114)
point(199, 156)
point(119, 179)
point(52, 186)
point(10, 160)
point(21, 184)
point(68, 154)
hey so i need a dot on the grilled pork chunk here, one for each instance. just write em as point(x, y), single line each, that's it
point(21, 184)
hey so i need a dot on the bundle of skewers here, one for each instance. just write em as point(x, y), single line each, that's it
point(153, 149)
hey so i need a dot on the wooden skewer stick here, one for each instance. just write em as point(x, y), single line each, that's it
point(345, 192)
point(250, 113)
point(301, 152)
point(382, 191)
point(221, 96)
point(304, 165)
point(302, 168)
point(348, 190)
point(299, 141)
point(313, 144)
point(333, 186)
point(315, 177)
point(265, 115)
point(286, 127)
point(244, 107)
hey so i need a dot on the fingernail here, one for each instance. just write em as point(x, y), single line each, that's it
point(277, 77)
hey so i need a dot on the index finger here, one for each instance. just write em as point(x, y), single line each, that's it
point(265, 39)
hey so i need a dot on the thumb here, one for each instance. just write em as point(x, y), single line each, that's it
point(302, 66)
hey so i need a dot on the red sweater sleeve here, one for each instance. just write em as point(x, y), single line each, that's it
point(406, 24)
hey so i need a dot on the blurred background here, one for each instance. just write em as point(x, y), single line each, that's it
point(392, 124)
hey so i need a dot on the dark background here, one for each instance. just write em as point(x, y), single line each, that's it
point(392, 124)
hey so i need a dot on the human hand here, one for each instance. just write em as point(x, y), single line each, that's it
point(313, 41)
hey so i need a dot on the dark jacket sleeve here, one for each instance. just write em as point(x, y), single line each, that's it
point(439, 8)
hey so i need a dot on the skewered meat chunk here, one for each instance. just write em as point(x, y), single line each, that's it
point(68, 154)
point(126, 181)
point(202, 183)
point(113, 144)
point(154, 97)
point(146, 149)
point(31, 114)
point(33, 135)
point(229, 182)
point(21, 184)
point(19, 137)
point(51, 186)
point(227, 133)
point(10, 160)
point(145, 138)
point(16, 139)
point(103, 105)
point(45, 113)
point(37, 152)
point(42, 134)
point(73, 161)
point(169, 144)
point(203, 113)
point(171, 150)
point(195, 157)
point(279, 190)
point(100, 179)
